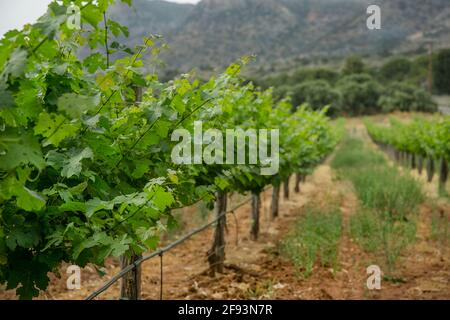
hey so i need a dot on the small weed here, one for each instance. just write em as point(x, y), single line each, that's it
point(314, 239)
point(389, 199)
point(385, 189)
point(394, 279)
point(353, 155)
point(262, 290)
point(382, 235)
point(366, 228)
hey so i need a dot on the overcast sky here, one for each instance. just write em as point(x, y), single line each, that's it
point(15, 13)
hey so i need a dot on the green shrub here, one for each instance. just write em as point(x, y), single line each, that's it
point(358, 78)
point(310, 74)
point(353, 64)
point(359, 94)
point(441, 72)
point(281, 92)
point(406, 97)
point(317, 94)
point(396, 69)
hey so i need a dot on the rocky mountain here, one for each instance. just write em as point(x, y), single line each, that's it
point(214, 33)
point(151, 17)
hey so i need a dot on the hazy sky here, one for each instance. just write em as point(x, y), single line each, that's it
point(15, 13)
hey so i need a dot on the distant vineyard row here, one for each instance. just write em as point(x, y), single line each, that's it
point(419, 141)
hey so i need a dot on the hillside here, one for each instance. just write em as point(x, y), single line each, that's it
point(147, 16)
point(216, 32)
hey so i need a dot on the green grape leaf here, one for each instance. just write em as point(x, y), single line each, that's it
point(178, 104)
point(104, 4)
point(162, 199)
point(117, 29)
point(74, 165)
point(148, 237)
point(162, 128)
point(96, 204)
point(129, 2)
point(49, 24)
point(28, 271)
point(22, 237)
point(105, 82)
point(78, 189)
point(30, 200)
point(120, 247)
point(149, 139)
point(92, 15)
point(55, 127)
point(74, 105)
point(94, 62)
point(73, 206)
point(6, 98)
point(16, 63)
point(95, 240)
point(142, 166)
point(27, 101)
point(3, 253)
point(20, 149)
point(221, 183)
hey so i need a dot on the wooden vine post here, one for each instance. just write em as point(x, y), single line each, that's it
point(420, 164)
point(138, 92)
point(256, 205)
point(130, 287)
point(298, 179)
point(286, 188)
point(275, 201)
point(397, 155)
point(405, 161)
point(216, 255)
point(393, 153)
point(443, 174)
point(430, 169)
